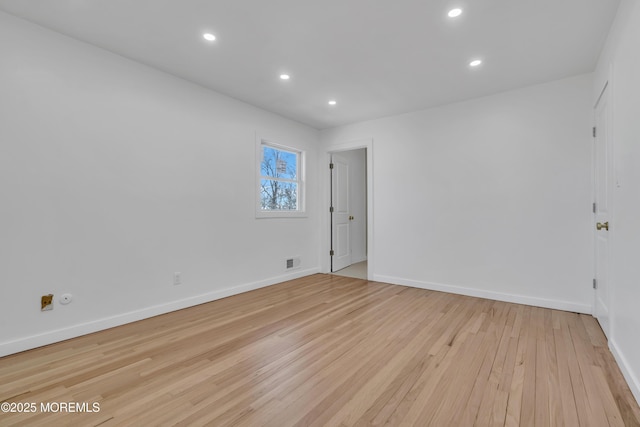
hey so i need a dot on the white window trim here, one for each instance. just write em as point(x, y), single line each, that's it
point(301, 212)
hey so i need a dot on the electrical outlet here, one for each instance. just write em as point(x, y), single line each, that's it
point(46, 302)
point(177, 278)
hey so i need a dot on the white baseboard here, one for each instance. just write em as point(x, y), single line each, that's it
point(498, 296)
point(627, 373)
point(50, 337)
point(358, 259)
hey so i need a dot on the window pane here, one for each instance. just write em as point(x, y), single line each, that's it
point(278, 195)
point(279, 164)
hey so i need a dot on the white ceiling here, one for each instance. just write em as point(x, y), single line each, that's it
point(375, 57)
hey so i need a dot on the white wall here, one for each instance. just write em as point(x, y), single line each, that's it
point(113, 176)
point(620, 62)
point(489, 197)
point(358, 201)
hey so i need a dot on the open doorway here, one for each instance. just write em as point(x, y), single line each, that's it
point(348, 213)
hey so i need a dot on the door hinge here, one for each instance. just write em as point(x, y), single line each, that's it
point(331, 209)
point(331, 252)
point(594, 131)
point(595, 284)
point(594, 207)
point(330, 165)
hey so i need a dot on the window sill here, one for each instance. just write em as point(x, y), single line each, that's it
point(280, 214)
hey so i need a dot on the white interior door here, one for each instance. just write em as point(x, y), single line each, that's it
point(603, 192)
point(340, 216)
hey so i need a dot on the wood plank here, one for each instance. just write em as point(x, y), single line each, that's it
point(569, 410)
point(514, 404)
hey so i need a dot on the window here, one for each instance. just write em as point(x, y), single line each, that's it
point(280, 185)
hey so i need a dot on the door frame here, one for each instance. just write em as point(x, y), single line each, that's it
point(325, 241)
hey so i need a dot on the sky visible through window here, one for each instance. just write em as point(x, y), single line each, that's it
point(279, 182)
point(284, 163)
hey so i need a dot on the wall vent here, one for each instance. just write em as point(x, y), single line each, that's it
point(293, 263)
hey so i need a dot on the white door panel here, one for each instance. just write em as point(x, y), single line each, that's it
point(603, 189)
point(340, 230)
point(342, 245)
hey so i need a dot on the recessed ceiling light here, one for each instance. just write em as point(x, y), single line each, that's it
point(475, 62)
point(332, 102)
point(454, 13)
point(208, 36)
point(285, 76)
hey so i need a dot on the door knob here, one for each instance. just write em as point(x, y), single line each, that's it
point(600, 226)
point(351, 218)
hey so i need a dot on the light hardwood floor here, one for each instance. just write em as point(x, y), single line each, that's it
point(330, 350)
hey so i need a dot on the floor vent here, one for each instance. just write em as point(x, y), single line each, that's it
point(293, 263)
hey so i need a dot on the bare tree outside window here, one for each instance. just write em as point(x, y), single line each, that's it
point(279, 182)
